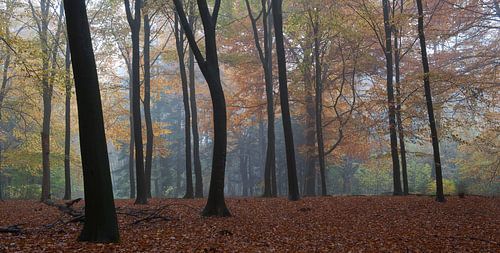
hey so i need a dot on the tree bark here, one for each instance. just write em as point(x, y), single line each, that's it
point(100, 217)
point(401, 134)
point(135, 27)
point(293, 187)
point(209, 66)
point(194, 114)
point(67, 130)
point(179, 42)
point(267, 65)
point(147, 105)
point(430, 110)
point(390, 99)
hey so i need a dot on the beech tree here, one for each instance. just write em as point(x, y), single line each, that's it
point(293, 186)
point(135, 27)
point(430, 109)
point(67, 124)
point(209, 66)
point(100, 216)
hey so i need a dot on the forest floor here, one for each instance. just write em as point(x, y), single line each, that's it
point(324, 224)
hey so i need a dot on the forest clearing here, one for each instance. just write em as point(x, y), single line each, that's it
point(249, 125)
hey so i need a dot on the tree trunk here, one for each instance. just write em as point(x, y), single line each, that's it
point(198, 193)
point(293, 187)
point(319, 107)
point(391, 103)
point(135, 27)
point(179, 42)
point(430, 109)
point(100, 216)
point(243, 167)
point(147, 105)
point(131, 160)
point(67, 131)
point(402, 147)
point(216, 205)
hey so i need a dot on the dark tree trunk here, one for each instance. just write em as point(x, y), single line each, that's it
point(131, 160)
point(67, 131)
point(147, 105)
point(135, 27)
point(198, 193)
point(430, 109)
point(293, 187)
point(391, 103)
point(179, 42)
point(209, 66)
point(402, 147)
point(100, 216)
point(310, 131)
point(266, 59)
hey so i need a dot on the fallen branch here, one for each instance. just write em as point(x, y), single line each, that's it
point(14, 229)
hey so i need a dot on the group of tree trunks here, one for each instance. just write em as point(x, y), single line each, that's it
point(100, 215)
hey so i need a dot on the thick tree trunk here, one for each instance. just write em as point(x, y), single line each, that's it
point(100, 217)
point(67, 130)
point(147, 105)
point(179, 39)
point(293, 187)
point(198, 193)
point(135, 27)
point(390, 99)
point(430, 110)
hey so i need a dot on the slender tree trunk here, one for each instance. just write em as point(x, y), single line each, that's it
point(194, 114)
point(293, 187)
point(319, 107)
point(243, 168)
point(131, 160)
point(100, 217)
point(135, 27)
point(310, 132)
point(430, 110)
point(401, 134)
point(3, 90)
point(391, 103)
point(147, 104)
point(179, 39)
point(67, 131)
point(209, 66)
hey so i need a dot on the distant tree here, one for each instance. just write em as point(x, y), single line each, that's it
point(430, 109)
point(293, 187)
point(100, 216)
point(179, 43)
point(135, 27)
point(266, 59)
point(147, 102)
point(194, 111)
point(209, 66)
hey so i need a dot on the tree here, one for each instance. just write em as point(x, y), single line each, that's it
point(100, 216)
point(147, 103)
point(430, 109)
point(209, 66)
point(293, 187)
point(135, 27)
point(67, 129)
point(401, 134)
point(198, 193)
point(179, 42)
point(266, 60)
point(49, 50)
point(390, 99)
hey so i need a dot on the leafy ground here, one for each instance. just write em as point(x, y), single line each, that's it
point(328, 224)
